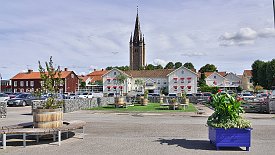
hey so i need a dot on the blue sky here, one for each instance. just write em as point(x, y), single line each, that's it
point(87, 34)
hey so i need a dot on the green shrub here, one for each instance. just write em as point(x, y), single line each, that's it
point(227, 113)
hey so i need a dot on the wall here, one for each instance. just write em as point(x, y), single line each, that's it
point(71, 105)
point(3, 109)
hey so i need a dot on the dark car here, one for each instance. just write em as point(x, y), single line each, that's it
point(23, 99)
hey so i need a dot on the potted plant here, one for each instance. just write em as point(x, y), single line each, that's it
point(50, 114)
point(119, 100)
point(227, 128)
point(173, 104)
point(144, 100)
point(185, 100)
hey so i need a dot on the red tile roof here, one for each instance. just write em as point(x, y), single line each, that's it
point(223, 74)
point(97, 75)
point(248, 72)
point(149, 73)
point(36, 75)
point(83, 78)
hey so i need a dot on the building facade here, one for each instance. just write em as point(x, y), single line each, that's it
point(31, 81)
point(223, 80)
point(137, 48)
point(175, 81)
point(247, 83)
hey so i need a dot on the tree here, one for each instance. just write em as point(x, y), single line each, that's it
point(178, 65)
point(170, 65)
point(189, 65)
point(51, 81)
point(258, 88)
point(158, 67)
point(82, 83)
point(109, 68)
point(255, 71)
point(139, 83)
point(208, 68)
point(150, 67)
point(270, 74)
point(202, 81)
point(121, 80)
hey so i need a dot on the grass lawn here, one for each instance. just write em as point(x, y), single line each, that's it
point(151, 107)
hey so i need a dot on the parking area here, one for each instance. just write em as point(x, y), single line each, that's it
point(140, 133)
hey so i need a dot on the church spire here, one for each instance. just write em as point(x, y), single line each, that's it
point(137, 32)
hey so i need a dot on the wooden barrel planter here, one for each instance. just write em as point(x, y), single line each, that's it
point(119, 101)
point(47, 118)
point(144, 101)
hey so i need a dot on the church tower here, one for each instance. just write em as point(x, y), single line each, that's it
point(137, 48)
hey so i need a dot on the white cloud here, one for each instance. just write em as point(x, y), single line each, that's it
point(160, 62)
point(267, 32)
point(245, 36)
point(193, 54)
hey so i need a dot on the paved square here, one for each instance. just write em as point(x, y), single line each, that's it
point(140, 133)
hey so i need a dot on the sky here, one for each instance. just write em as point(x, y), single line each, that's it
point(83, 35)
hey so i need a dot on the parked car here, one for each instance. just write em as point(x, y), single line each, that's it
point(97, 94)
point(24, 99)
point(4, 97)
point(73, 96)
point(247, 97)
point(189, 95)
point(85, 95)
point(172, 95)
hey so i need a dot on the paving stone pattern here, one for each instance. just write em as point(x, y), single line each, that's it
point(3, 109)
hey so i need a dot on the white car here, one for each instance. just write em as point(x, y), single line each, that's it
point(247, 97)
point(4, 97)
point(86, 95)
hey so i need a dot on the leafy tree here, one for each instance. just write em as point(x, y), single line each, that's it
point(178, 65)
point(139, 83)
point(270, 73)
point(164, 90)
point(206, 88)
point(239, 89)
point(150, 67)
point(189, 65)
point(208, 68)
point(170, 65)
point(158, 67)
point(51, 81)
point(202, 81)
point(121, 78)
point(255, 71)
point(82, 83)
point(109, 68)
point(258, 88)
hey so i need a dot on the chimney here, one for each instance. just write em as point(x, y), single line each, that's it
point(94, 70)
point(29, 71)
point(102, 69)
point(65, 69)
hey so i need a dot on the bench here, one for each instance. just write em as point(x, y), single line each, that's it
point(26, 129)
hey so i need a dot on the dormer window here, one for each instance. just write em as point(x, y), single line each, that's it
point(114, 73)
point(215, 76)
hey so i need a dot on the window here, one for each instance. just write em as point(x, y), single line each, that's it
point(164, 82)
point(114, 73)
point(32, 83)
point(181, 80)
point(114, 88)
point(182, 71)
point(175, 80)
point(182, 88)
point(114, 81)
point(189, 88)
point(15, 83)
point(158, 81)
point(108, 80)
point(27, 83)
point(121, 87)
point(21, 90)
point(215, 76)
point(21, 83)
point(175, 88)
point(72, 76)
point(189, 79)
point(250, 80)
point(108, 88)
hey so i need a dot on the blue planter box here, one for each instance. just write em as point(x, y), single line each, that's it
point(232, 137)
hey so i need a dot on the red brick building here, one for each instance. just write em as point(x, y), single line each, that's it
point(31, 81)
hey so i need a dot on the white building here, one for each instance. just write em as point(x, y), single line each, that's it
point(177, 81)
point(222, 80)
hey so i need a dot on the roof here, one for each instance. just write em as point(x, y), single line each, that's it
point(98, 73)
point(192, 71)
point(36, 75)
point(83, 78)
point(248, 72)
point(149, 73)
point(223, 74)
